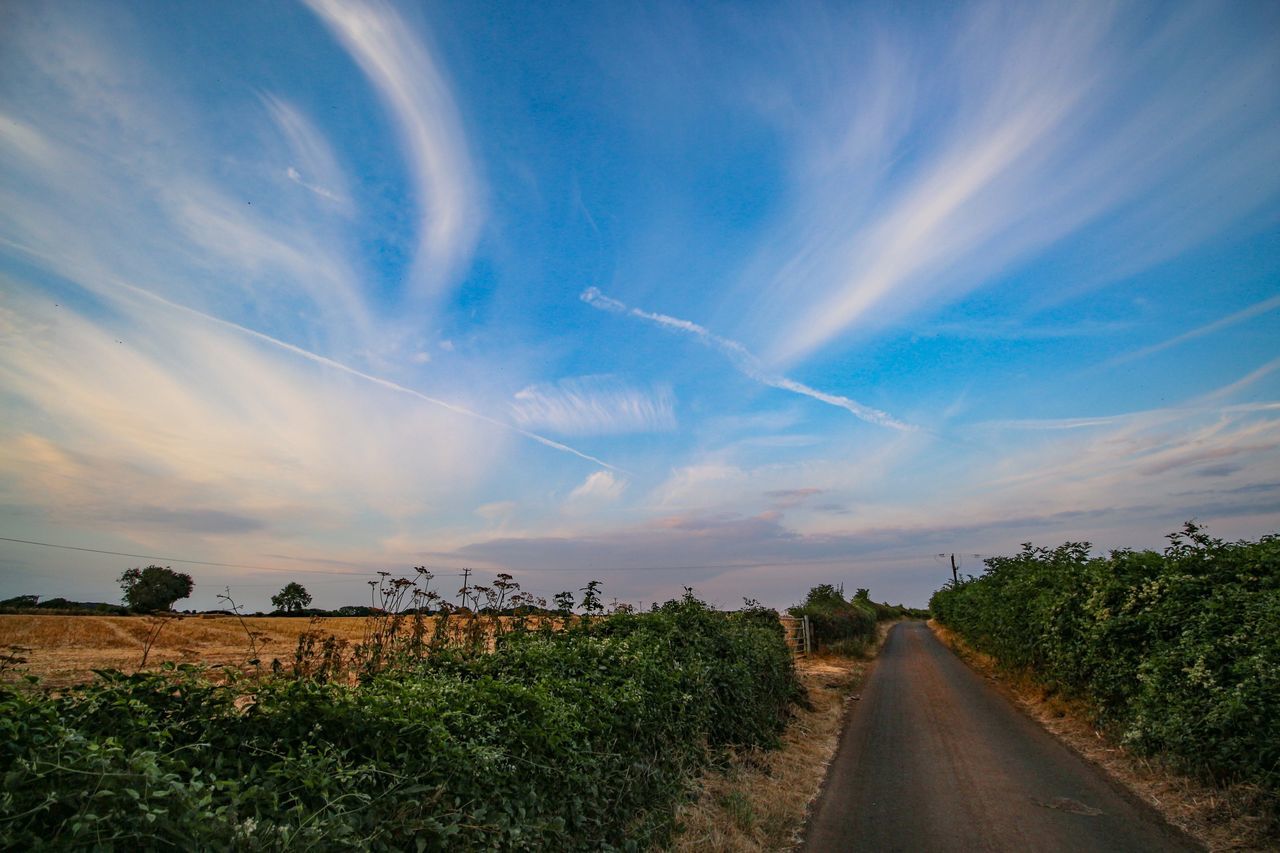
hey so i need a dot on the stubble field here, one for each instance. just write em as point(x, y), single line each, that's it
point(66, 649)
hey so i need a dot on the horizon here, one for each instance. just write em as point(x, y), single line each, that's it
point(742, 299)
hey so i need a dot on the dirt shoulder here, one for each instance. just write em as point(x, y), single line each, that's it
point(1221, 818)
point(760, 800)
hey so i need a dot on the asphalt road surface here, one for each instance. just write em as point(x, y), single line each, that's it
point(934, 758)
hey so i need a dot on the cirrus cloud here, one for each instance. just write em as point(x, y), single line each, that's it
point(595, 405)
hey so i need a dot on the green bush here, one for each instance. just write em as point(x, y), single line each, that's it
point(583, 739)
point(1179, 652)
point(888, 612)
point(838, 625)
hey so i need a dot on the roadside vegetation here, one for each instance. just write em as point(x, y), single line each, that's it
point(847, 626)
point(570, 731)
point(754, 800)
point(1176, 654)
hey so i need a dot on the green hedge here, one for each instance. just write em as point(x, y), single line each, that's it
point(584, 739)
point(837, 624)
point(1179, 652)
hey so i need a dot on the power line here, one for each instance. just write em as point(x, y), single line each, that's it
point(515, 570)
point(178, 559)
point(781, 561)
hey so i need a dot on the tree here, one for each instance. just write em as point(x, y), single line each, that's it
point(293, 597)
point(154, 588)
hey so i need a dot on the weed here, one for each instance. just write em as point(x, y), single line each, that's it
point(13, 657)
point(253, 636)
point(154, 625)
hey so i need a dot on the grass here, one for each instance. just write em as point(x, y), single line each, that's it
point(1222, 817)
point(758, 801)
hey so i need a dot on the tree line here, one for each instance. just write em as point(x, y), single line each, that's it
point(156, 589)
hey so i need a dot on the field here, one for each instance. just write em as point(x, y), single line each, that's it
point(65, 649)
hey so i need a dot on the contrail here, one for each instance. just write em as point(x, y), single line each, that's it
point(745, 361)
point(376, 380)
point(1209, 328)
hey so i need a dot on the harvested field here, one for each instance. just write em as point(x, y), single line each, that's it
point(66, 649)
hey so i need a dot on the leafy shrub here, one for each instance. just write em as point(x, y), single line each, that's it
point(838, 625)
point(887, 612)
point(1179, 652)
point(581, 739)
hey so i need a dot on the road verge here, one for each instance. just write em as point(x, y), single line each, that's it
point(758, 800)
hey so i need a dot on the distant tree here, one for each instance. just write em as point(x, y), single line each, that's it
point(154, 588)
point(21, 601)
point(824, 595)
point(293, 597)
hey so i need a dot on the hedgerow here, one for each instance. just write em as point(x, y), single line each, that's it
point(577, 739)
point(838, 625)
point(1179, 652)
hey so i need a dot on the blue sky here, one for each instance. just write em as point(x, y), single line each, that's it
point(741, 297)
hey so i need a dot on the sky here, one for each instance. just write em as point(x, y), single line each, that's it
point(738, 297)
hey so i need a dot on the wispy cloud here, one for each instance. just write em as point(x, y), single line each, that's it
point(744, 361)
point(152, 408)
point(1054, 423)
point(376, 380)
point(595, 405)
point(125, 180)
point(599, 487)
point(296, 176)
point(1000, 118)
point(239, 314)
point(1243, 382)
point(410, 82)
point(1218, 325)
point(788, 498)
point(320, 172)
point(497, 511)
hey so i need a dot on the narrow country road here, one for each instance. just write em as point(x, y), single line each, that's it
point(934, 758)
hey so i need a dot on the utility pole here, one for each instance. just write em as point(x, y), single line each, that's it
point(955, 577)
point(466, 575)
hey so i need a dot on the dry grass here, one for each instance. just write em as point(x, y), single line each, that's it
point(1221, 818)
point(759, 800)
point(66, 649)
